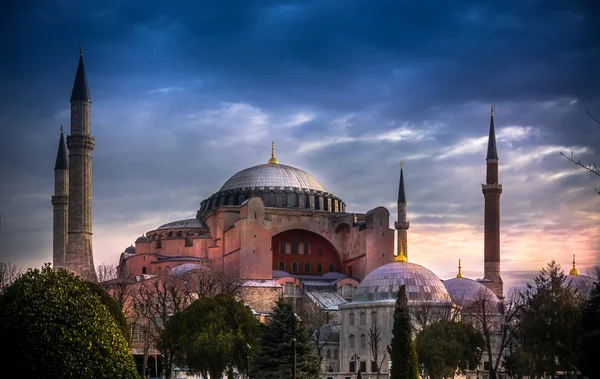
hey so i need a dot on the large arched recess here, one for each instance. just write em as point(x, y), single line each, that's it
point(321, 253)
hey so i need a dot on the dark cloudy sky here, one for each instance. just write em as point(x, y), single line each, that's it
point(185, 94)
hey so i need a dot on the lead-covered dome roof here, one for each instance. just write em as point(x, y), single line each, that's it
point(272, 176)
point(382, 284)
point(582, 283)
point(465, 291)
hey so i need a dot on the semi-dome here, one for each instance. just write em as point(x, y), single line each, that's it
point(465, 291)
point(382, 284)
point(130, 249)
point(272, 176)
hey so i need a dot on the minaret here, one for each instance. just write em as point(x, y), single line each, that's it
point(491, 193)
point(60, 202)
point(79, 258)
point(402, 225)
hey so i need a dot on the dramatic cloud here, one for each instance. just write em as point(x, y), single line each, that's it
point(187, 94)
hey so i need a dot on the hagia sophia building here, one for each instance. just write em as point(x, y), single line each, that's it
point(285, 234)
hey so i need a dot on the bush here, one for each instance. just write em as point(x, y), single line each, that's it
point(53, 326)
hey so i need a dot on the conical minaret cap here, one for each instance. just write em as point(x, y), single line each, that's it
point(401, 192)
point(492, 152)
point(80, 91)
point(62, 157)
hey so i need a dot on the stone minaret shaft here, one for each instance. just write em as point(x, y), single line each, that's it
point(402, 225)
point(60, 202)
point(79, 258)
point(491, 192)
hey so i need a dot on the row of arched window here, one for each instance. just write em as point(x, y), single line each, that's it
point(335, 354)
point(362, 318)
point(307, 267)
point(362, 341)
point(273, 199)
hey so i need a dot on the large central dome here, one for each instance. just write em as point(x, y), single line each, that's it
point(278, 185)
point(272, 176)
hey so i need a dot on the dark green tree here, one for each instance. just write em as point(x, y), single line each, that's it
point(211, 334)
point(590, 334)
point(549, 324)
point(230, 373)
point(53, 326)
point(112, 307)
point(403, 354)
point(445, 346)
point(275, 354)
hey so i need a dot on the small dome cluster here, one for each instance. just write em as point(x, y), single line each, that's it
point(465, 292)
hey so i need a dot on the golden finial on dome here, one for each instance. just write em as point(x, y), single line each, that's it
point(401, 257)
point(459, 275)
point(574, 270)
point(273, 160)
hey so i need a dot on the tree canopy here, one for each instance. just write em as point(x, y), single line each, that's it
point(113, 308)
point(445, 346)
point(403, 354)
point(590, 334)
point(275, 350)
point(53, 326)
point(212, 333)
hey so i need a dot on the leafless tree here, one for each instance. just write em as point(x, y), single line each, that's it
point(426, 312)
point(374, 339)
point(8, 273)
point(320, 324)
point(496, 322)
point(592, 167)
point(106, 272)
point(212, 281)
point(155, 301)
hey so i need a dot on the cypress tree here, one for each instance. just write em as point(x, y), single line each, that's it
point(403, 354)
point(275, 351)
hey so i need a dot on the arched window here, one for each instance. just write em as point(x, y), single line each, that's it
point(179, 233)
point(328, 353)
point(319, 268)
point(307, 267)
point(351, 341)
point(284, 199)
point(294, 267)
point(374, 318)
point(189, 242)
point(306, 247)
point(349, 270)
point(307, 201)
point(363, 318)
point(363, 341)
point(295, 199)
point(143, 270)
point(272, 198)
point(351, 320)
point(336, 354)
point(318, 202)
point(281, 266)
point(331, 267)
point(159, 243)
point(170, 234)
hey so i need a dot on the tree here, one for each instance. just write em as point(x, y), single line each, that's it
point(496, 322)
point(403, 354)
point(426, 312)
point(590, 333)
point(359, 375)
point(53, 326)
point(211, 334)
point(275, 353)
point(9, 272)
point(212, 281)
point(445, 346)
point(319, 324)
point(374, 340)
point(592, 167)
point(106, 272)
point(548, 324)
point(113, 308)
point(155, 301)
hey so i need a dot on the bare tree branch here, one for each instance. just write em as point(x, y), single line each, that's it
point(9, 272)
point(374, 336)
point(593, 118)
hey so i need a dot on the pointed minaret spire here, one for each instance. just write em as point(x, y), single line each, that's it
point(62, 157)
point(80, 91)
point(273, 160)
point(492, 152)
point(574, 270)
point(459, 275)
point(402, 225)
point(401, 193)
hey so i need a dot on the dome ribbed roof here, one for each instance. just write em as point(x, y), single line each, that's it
point(273, 175)
point(383, 283)
point(193, 223)
point(465, 291)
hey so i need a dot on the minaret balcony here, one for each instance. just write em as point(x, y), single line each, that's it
point(494, 186)
point(401, 225)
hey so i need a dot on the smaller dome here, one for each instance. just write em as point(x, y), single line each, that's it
point(193, 223)
point(130, 249)
point(142, 239)
point(185, 268)
point(465, 291)
point(382, 284)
